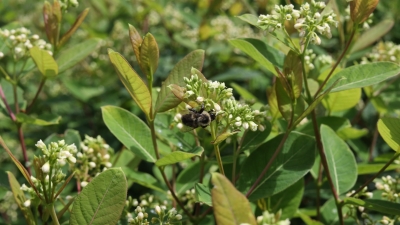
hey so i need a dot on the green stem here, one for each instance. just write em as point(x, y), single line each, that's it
point(337, 62)
point(269, 164)
point(170, 188)
point(396, 155)
point(213, 129)
point(42, 82)
point(54, 215)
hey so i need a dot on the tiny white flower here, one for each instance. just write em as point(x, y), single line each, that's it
point(84, 183)
point(246, 125)
point(24, 188)
point(178, 216)
point(72, 159)
point(79, 155)
point(238, 123)
point(253, 126)
point(217, 107)
point(1, 55)
point(27, 203)
point(200, 99)
point(92, 164)
point(46, 167)
point(18, 49)
point(179, 125)
point(178, 117)
point(140, 215)
point(157, 209)
point(40, 144)
point(108, 164)
point(261, 128)
point(106, 156)
point(61, 161)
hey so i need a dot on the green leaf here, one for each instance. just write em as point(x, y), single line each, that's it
point(288, 200)
point(264, 54)
point(149, 56)
point(166, 99)
point(136, 41)
point(363, 75)
point(330, 215)
point(348, 133)
point(190, 176)
point(70, 136)
point(314, 104)
point(71, 56)
point(378, 205)
point(294, 160)
point(284, 101)
point(28, 119)
point(130, 130)
point(229, 205)
point(243, 92)
point(102, 200)
point(179, 156)
point(203, 194)
point(374, 168)
point(74, 27)
point(19, 197)
point(389, 129)
point(44, 62)
point(372, 35)
point(293, 72)
point(254, 139)
point(341, 162)
point(144, 179)
point(223, 136)
point(342, 100)
point(249, 18)
point(132, 82)
point(182, 140)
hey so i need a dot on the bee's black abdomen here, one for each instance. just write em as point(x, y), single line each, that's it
point(189, 120)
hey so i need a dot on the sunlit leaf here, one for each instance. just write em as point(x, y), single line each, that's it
point(230, 206)
point(149, 56)
point(389, 129)
point(132, 82)
point(178, 156)
point(44, 62)
point(102, 200)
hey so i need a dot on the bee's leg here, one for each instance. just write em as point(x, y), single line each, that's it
point(202, 108)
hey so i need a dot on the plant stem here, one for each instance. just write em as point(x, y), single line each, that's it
point(337, 62)
point(54, 215)
point(213, 129)
point(23, 147)
point(396, 155)
point(9, 110)
point(325, 164)
point(170, 188)
point(42, 82)
point(276, 153)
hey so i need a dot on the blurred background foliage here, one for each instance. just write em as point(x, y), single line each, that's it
point(179, 27)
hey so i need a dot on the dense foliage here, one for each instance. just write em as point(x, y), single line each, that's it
point(199, 112)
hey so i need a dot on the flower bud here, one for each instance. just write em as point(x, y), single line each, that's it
point(46, 167)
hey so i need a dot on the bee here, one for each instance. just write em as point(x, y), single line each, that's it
point(198, 118)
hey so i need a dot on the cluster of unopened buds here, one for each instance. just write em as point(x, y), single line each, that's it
point(93, 158)
point(306, 21)
point(383, 51)
point(389, 187)
point(65, 4)
point(48, 168)
point(20, 40)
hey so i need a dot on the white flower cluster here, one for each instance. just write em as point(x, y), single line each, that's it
point(93, 159)
point(215, 96)
point(225, 28)
point(240, 115)
point(141, 217)
point(271, 218)
point(57, 154)
point(65, 4)
point(308, 58)
point(20, 40)
point(307, 20)
point(383, 51)
point(389, 187)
